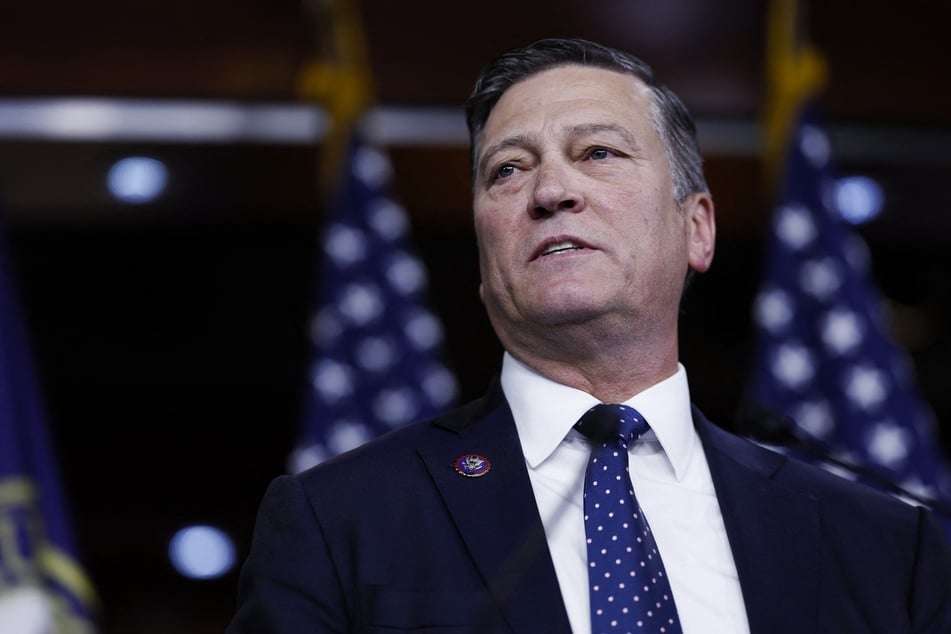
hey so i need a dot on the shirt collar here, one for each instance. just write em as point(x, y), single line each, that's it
point(545, 412)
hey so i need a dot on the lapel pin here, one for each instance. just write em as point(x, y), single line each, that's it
point(472, 465)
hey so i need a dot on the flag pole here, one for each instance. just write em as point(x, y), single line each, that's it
point(376, 346)
point(795, 72)
point(338, 76)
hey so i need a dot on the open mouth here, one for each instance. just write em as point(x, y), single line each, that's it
point(561, 247)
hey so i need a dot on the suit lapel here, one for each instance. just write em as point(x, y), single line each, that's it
point(492, 512)
point(773, 530)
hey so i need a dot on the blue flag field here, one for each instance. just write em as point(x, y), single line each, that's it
point(825, 359)
point(377, 348)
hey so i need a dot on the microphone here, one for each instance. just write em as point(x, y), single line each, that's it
point(771, 427)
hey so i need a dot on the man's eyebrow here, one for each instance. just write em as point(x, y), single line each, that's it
point(574, 131)
point(587, 129)
point(518, 140)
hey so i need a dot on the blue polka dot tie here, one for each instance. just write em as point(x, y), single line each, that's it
point(628, 585)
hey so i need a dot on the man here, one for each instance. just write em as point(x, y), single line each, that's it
point(590, 212)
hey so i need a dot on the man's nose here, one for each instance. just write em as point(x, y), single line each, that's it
point(555, 190)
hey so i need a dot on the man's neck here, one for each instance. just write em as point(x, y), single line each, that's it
point(611, 371)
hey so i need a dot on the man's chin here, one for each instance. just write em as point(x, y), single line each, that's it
point(564, 313)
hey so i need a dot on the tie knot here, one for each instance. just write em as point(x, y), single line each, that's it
point(606, 422)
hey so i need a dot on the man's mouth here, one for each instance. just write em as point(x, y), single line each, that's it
point(561, 247)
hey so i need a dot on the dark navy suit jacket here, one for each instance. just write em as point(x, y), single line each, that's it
point(391, 538)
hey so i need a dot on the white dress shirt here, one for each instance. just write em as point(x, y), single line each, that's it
point(671, 480)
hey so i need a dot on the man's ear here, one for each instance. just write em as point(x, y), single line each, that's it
point(701, 230)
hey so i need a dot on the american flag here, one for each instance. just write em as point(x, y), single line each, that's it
point(377, 349)
point(825, 359)
point(43, 587)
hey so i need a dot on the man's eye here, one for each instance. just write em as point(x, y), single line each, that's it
point(599, 154)
point(505, 171)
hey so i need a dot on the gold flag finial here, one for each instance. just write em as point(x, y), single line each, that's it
point(337, 75)
point(795, 71)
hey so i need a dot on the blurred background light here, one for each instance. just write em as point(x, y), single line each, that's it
point(201, 552)
point(183, 121)
point(859, 198)
point(137, 179)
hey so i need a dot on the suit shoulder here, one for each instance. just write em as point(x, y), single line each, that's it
point(834, 488)
point(392, 450)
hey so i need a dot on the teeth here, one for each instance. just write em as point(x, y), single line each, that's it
point(559, 247)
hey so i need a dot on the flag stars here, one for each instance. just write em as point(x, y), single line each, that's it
point(405, 274)
point(377, 359)
point(795, 227)
point(375, 354)
point(842, 331)
point(423, 330)
point(371, 167)
point(815, 417)
point(396, 406)
point(866, 386)
point(793, 365)
point(347, 434)
point(331, 379)
point(814, 145)
point(344, 245)
point(361, 303)
point(825, 359)
point(820, 278)
point(439, 385)
point(773, 310)
point(889, 444)
point(388, 219)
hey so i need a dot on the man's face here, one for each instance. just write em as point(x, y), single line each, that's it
point(574, 207)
